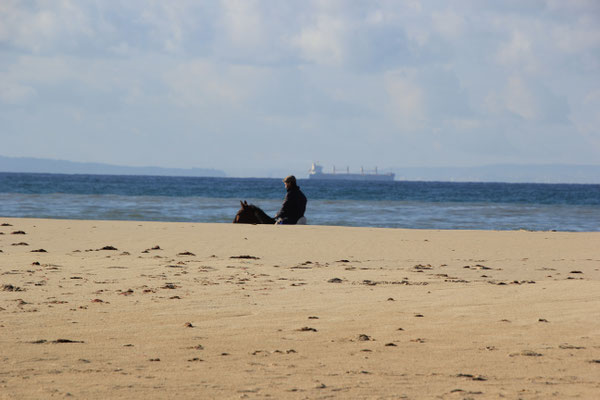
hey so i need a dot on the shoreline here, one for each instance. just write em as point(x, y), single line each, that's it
point(322, 226)
point(180, 309)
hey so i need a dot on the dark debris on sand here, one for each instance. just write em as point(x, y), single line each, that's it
point(11, 288)
point(170, 286)
point(157, 247)
point(307, 329)
point(472, 377)
point(57, 341)
point(107, 248)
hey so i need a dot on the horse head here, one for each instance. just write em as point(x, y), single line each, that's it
point(245, 215)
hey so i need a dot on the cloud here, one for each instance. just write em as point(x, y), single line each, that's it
point(201, 83)
point(534, 101)
point(517, 53)
point(243, 22)
point(40, 27)
point(407, 99)
point(426, 98)
point(14, 93)
point(587, 119)
point(323, 41)
point(449, 24)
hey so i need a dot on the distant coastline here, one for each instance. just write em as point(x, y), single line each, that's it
point(507, 173)
point(40, 165)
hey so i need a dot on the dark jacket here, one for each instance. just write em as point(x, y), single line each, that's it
point(293, 206)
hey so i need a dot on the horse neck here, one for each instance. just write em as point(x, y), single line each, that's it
point(262, 216)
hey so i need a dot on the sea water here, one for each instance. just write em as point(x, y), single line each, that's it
point(397, 204)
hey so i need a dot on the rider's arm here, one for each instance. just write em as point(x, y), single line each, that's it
point(284, 208)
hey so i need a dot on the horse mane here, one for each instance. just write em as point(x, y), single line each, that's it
point(262, 216)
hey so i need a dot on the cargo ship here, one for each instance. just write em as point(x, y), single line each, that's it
point(316, 172)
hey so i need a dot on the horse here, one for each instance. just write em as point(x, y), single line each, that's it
point(251, 214)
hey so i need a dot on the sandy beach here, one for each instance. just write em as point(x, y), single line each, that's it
point(104, 309)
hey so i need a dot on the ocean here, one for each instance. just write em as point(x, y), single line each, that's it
point(398, 204)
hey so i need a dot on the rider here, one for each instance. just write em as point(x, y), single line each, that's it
point(294, 203)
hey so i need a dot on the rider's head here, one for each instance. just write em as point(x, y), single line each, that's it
point(290, 181)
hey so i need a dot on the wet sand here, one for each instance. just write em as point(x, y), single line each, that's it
point(103, 309)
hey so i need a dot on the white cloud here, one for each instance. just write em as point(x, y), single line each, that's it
point(449, 24)
point(323, 41)
point(44, 25)
point(577, 6)
point(587, 118)
point(407, 99)
point(167, 23)
point(520, 99)
point(517, 53)
point(203, 84)
point(243, 22)
point(14, 93)
point(577, 38)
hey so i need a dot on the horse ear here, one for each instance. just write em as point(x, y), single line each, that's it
point(242, 204)
point(245, 203)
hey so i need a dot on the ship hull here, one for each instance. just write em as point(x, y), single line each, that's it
point(353, 177)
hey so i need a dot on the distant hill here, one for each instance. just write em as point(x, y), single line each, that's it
point(40, 165)
point(514, 173)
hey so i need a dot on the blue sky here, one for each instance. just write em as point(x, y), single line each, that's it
point(262, 87)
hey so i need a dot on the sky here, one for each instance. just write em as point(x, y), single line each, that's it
point(257, 88)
